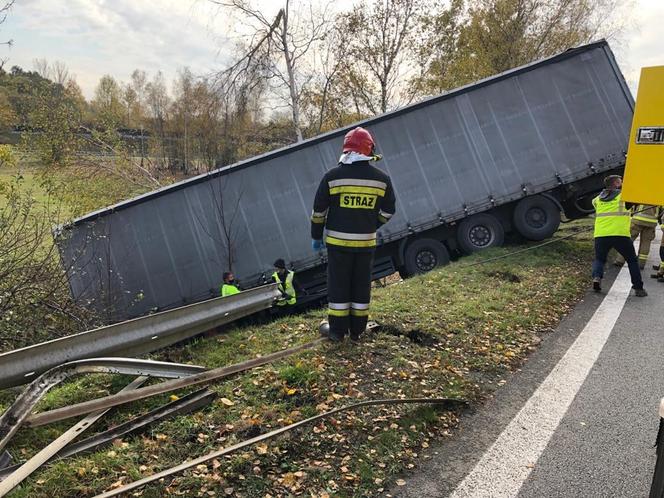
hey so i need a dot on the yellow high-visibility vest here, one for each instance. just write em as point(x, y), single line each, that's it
point(611, 217)
point(286, 287)
point(229, 290)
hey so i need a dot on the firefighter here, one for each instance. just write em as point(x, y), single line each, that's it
point(229, 287)
point(286, 283)
point(643, 225)
point(612, 231)
point(352, 201)
point(660, 267)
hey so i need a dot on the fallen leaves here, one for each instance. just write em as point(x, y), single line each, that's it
point(477, 333)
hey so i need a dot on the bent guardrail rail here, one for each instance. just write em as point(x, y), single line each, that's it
point(133, 337)
point(11, 420)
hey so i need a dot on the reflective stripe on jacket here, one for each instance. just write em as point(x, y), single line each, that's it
point(611, 217)
point(351, 203)
point(646, 214)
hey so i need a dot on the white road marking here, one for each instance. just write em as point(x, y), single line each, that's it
point(505, 466)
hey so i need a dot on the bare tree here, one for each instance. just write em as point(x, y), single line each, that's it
point(278, 49)
point(380, 51)
point(4, 12)
point(30, 273)
point(60, 73)
point(138, 86)
point(158, 102)
point(42, 67)
point(227, 214)
point(324, 100)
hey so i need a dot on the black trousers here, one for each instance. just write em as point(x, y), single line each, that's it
point(348, 290)
point(625, 248)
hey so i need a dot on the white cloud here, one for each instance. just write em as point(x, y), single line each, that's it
point(643, 41)
point(95, 37)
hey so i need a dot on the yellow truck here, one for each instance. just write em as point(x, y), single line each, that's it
point(644, 169)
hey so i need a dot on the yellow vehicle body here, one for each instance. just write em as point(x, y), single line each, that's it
point(644, 169)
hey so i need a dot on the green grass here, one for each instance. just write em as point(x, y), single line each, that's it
point(474, 326)
point(29, 179)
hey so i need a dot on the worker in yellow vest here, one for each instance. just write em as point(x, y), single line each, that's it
point(229, 287)
point(286, 283)
point(612, 231)
point(644, 222)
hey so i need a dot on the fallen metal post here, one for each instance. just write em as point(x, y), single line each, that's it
point(14, 416)
point(454, 403)
point(164, 387)
point(43, 456)
point(186, 404)
point(133, 337)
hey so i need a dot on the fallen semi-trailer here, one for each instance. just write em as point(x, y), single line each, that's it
point(506, 154)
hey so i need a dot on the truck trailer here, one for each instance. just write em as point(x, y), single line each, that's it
point(509, 153)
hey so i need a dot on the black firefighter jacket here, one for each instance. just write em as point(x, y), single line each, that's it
point(352, 202)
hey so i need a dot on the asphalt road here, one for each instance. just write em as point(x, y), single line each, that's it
point(601, 444)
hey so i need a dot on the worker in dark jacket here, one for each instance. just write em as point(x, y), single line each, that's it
point(612, 231)
point(352, 201)
point(229, 287)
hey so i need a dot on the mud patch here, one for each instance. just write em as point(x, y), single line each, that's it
point(506, 276)
point(416, 336)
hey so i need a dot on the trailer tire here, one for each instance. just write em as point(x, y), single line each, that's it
point(480, 231)
point(536, 217)
point(423, 255)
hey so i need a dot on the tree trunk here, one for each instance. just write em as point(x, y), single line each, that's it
point(292, 88)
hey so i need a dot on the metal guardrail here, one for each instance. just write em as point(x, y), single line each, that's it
point(23, 472)
point(133, 337)
point(11, 420)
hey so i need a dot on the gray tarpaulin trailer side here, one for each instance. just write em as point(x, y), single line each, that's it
point(466, 166)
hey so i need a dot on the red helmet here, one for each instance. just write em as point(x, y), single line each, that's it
point(359, 140)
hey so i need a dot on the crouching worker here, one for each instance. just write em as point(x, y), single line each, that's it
point(285, 280)
point(229, 287)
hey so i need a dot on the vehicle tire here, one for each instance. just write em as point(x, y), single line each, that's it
point(478, 232)
point(536, 217)
point(423, 255)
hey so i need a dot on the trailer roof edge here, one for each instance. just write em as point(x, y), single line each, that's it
point(571, 52)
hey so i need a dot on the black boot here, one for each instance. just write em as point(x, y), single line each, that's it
point(597, 284)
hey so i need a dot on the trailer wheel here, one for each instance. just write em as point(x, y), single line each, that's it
point(536, 217)
point(480, 231)
point(423, 255)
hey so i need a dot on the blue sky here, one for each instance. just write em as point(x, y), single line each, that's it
point(97, 37)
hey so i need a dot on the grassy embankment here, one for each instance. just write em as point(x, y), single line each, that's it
point(40, 307)
point(472, 326)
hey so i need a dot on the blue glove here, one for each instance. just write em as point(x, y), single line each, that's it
point(317, 245)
